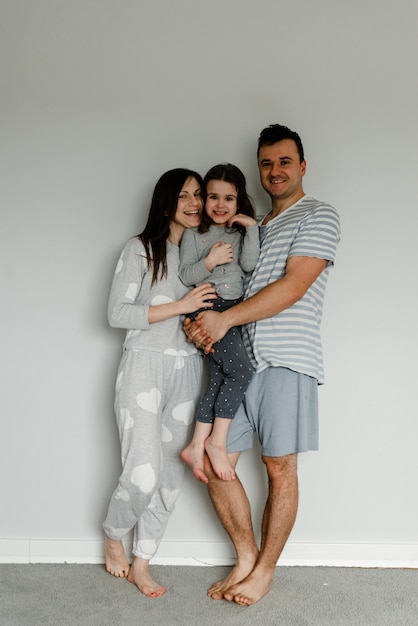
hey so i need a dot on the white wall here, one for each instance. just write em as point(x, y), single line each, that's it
point(98, 98)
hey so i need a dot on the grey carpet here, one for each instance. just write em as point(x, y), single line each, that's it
point(85, 595)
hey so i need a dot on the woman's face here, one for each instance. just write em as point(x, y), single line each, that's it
point(189, 205)
point(221, 201)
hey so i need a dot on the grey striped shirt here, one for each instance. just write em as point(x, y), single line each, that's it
point(292, 338)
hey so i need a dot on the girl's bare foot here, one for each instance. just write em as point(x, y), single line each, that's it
point(139, 575)
point(219, 460)
point(193, 456)
point(115, 558)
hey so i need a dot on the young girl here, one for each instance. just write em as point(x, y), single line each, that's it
point(159, 376)
point(221, 250)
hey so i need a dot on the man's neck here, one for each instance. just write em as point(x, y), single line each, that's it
point(278, 206)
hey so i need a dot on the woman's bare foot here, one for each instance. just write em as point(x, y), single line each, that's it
point(139, 575)
point(219, 460)
point(193, 456)
point(115, 558)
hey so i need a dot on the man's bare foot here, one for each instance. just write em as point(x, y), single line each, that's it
point(251, 589)
point(115, 558)
point(219, 460)
point(236, 575)
point(193, 456)
point(139, 575)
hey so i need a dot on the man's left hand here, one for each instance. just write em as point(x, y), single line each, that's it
point(208, 328)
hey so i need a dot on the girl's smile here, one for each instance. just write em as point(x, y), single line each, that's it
point(221, 202)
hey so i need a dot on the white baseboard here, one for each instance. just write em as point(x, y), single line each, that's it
point(215, 553)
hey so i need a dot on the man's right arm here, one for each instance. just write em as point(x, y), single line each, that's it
point(301, 273)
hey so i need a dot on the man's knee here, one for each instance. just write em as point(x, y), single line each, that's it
point(281, 468)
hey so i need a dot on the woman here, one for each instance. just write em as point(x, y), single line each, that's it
point(159, 377)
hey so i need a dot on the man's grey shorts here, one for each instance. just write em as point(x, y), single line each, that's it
point(281, 408)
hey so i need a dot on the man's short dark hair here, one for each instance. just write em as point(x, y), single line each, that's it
point(276, 132)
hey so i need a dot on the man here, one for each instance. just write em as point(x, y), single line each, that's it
point(281, 317)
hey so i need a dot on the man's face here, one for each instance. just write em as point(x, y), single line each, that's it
point(280, 170)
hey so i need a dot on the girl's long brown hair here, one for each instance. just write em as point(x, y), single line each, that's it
point(233, 175)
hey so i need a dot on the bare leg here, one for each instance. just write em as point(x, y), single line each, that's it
point(194, 453)
point(215, 446)
point(278, 520)
point(139, 575)
point(115, 558)
point(233, 509)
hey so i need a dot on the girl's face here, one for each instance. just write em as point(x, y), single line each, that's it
point(189, 205)
point(221, 202)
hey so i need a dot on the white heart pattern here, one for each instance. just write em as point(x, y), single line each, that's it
point(126, 419)
point(119, 265)
point(184, 412)
point(119, 381)
point(169, 497)
point(153, 502)
point(179, 354)
point(160, 299)
point(119, 532)
point(147, 547)
point(150, 401)
point(122, 494)
point(143, 476)
point(131, 291)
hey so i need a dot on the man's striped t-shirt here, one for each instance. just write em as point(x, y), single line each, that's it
point(292, 338)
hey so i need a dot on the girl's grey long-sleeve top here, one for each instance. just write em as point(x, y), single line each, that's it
point(227, 278)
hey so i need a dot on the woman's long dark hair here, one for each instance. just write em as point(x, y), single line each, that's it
point(233, 175)
point(162, 211)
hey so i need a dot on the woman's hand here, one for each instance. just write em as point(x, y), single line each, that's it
point(198, 298)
